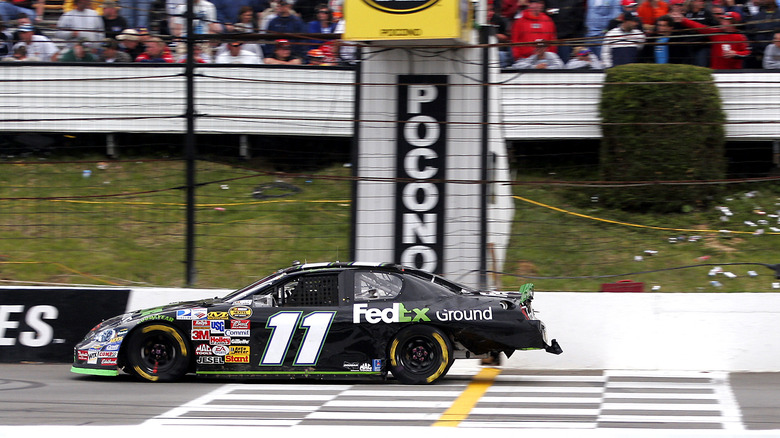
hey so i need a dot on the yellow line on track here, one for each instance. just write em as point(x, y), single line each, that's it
point(463, 405)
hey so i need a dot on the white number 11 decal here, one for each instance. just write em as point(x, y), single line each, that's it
point(284, 324)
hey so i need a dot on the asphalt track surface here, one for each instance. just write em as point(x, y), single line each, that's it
point(36, 399)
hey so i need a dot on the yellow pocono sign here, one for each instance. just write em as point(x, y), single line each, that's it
point(398, 20)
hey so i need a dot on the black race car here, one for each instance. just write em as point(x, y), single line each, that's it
point(323, 320)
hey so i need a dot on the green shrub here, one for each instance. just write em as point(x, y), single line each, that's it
point(661, 123)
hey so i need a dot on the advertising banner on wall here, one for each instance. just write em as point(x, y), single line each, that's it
point(43, 325)
point(421, 133)
point(391, 20)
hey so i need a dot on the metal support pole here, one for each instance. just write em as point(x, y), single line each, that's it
point(189, 150)
point(485, 33)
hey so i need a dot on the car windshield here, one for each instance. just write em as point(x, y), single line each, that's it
point(252, 288)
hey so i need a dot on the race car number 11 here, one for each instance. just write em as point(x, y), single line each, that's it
point(283, 326)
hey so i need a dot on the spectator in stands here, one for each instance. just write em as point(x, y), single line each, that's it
point(660, 47)
point(113, 23)
point(696, 10)
point(229, 11)
point(283, 54)
point(569, 19)
point(246, 22)
point(324, 20)
point(502, 32)
point(533, 25)
point(38, 46)
point(541, 58)
point(307, 9)
point(96, 5)
point(323, 24)
point(5, 40)
point(112, 54)
point(649, 12)
point(156, 51)
point(629, 8)
point(82, 23)
point(200, 53)
point(598, 15)
point(584, 59)
point(236, 54)
point(316, 57)
point(130, 43)
point(285, 22)
point(20, 55)
point(730, 46)
point(136, 12)
point(623, 43)
point(759, 28)
point(78, 53)
point(772, 54)
point(9, 11)
point(205, 21)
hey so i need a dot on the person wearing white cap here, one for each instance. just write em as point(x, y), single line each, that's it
point(130, 43)
point(38, 46)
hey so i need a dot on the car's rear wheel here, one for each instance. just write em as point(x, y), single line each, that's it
point(420, 354)
point(158, 353)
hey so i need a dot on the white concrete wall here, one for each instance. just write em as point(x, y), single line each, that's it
point(312, 102)
point(633, 331)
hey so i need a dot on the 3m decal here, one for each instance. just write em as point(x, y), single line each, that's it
point(201, 335)
point(284, 324)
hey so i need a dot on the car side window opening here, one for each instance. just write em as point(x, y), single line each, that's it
point(370, 286)
point(309, 290)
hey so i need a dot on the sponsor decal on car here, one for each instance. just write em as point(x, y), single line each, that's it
point(240, 312)
point(237, 358)
point(237, 333)
point(157, 317)
point(111, 347)
point(219, 340)
point(465, 315)
point(82, 355)
point(190, 314)
point(239, 349)
point(108, 362)
point(239, 324)
point(92, 357)
point(220, 350)
point(203, 350)
point(217, 326)
point(105, 354)
point(396, 313)
point(201, 324)
point(218, 315)
point(239, 341)
point(352, 366)
point(201, 335)
point(365, 367)
point(210, 360)
point(377, 364)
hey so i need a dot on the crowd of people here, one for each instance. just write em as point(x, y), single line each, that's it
point(119, 31)
point(535, 34)
point(598, 34)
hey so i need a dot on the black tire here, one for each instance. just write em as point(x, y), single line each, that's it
point(420, 354)
point(158, 353)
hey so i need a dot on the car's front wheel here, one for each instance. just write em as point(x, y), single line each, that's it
point(420, 354)
point(158, 353)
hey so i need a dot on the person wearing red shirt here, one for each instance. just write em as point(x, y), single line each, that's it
point(532, 25)
point(730, 47)
point(650, 11)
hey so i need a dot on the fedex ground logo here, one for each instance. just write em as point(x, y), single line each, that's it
point(396, 313)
